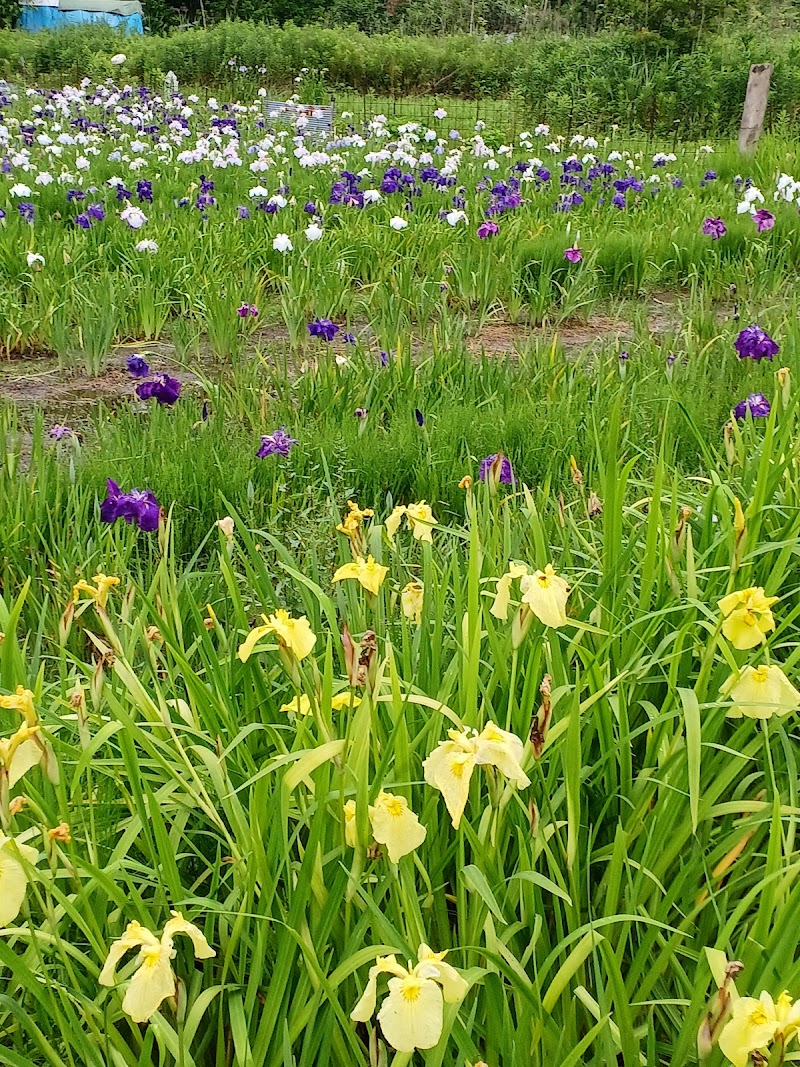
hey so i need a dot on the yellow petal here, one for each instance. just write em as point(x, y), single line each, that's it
point(395, 825)
point(761, 692)
point(392, 523)
point(449, 769)
point(546, 594)
point(300, 705)
point(502, 596)
point(294, 634)
point(502, 750)
point(412, 1016)
point(252, 639)
point(150, 985)
point(13, 879)
point(421, 520)
point(346, 699)
point(178, 925)
point(411, 601)
point(350, 835)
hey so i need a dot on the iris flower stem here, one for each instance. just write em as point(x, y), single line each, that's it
point(512, 687)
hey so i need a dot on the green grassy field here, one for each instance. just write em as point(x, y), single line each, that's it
point(574, 678)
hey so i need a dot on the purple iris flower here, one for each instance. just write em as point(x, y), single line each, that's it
point(714, 228)
point(349, 338)
point(162, 388)
point(75, 194)
point(419, 417)
point(139, 507)
point(677, 182)
point(59, 432)
point(242, 212)
point(619, 201)
point(757, 404)
point(384, 359)
point(137, 366)
point(26, 210)
point(277, 443)
point(488, 229)
point(245, 311)
point(123, 193)
point(144, 190)
point(672, 358)
point(573, 254)
point(361, 413)
point(83, 221)
point(710, 176)
point(96, 212)
point(755, 343)
point(764, 220)
point(506, 473)
point(310, 207)
point(323, 328)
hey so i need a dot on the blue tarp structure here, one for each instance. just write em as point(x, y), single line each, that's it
point(34, 19)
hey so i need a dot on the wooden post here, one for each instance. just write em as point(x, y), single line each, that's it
point(755, 107)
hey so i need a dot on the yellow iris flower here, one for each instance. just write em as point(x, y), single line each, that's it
point(449, 767)
point(301, 704)
point(295, 635)
point(365, 571)
point(411, 600)
point(351, 524)
point(21, 701)
point(99, 592)
point(20, 752)
point(13, 879)
point(760, 693)
point(544, 592)
point(412, 1015)
point(747, 617)
point(756, 1023)
point(419, 517)
point(393, 823)
point(154, 980)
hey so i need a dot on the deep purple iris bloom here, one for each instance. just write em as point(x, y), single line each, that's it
point(162, 388)
point(349, 338)
point(573, 254)
point(488, 229)
point(755, 343)
point(247, 311)
point(242, 212)
point(323, 328)
point(757, 404)
point(144, 190)
point(310, 207)
point(714, 228)
point(96, 212)
point(418, 415)
point(139, 507)
point(764, 220)
point(506, 473)
point(83, 221)
point(137, 366)
point(26, 210)
point(277, 443)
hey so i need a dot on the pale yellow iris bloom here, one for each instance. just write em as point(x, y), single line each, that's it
point(301, 705)
point(365, 571)
point(412, 1015)
point(154, 980)
point(295, 635)
point(411, 599)
point(393, 823)
point(419, 517)
point(13, 879)
point(99, 592)
point(21, 701)
point(449, 767)
point(20, 752)
point(544, 592)
point(760, 693)
point(747, 617)
point(351, 524)
point(756, 1023)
